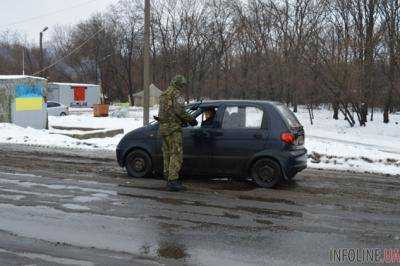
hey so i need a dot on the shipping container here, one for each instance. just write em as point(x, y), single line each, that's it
point(22, 101)
point(74, 94)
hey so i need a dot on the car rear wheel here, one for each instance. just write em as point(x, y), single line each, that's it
point(138, 164)
point(266, 172)
point(63, 114)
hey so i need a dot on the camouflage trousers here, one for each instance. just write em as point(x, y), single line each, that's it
point(173, 155)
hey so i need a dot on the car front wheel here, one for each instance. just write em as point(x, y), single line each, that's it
point(266, 172)
point(138, 164)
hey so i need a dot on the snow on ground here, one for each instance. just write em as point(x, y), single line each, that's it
point(331, 144)
point(334, 144)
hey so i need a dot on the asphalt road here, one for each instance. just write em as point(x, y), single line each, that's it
point(79, 208)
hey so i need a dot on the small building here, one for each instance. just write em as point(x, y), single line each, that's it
point(155, 94)
point(74, 94)
point(22, 101)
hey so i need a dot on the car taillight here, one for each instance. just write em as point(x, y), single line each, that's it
point(288, 138)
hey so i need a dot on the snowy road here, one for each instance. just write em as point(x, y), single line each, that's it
point(78, 208)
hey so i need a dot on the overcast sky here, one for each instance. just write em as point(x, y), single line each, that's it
point(63, 12)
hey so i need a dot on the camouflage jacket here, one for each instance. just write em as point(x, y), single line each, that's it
point(171, 112)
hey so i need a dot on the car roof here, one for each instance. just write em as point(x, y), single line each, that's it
point(56, 103)
point(221, 102)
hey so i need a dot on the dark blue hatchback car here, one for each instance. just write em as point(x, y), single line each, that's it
point(245, 139)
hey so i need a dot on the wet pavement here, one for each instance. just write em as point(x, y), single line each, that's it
point(65, 207)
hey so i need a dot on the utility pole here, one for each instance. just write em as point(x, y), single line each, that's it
point(146, 64)
point(42, 73)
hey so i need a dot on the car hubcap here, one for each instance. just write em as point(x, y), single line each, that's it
point(266, 173)
point(139, 164)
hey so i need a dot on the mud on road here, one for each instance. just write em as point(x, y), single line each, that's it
point(214, 222)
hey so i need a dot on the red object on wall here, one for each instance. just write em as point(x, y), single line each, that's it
point(79, 94)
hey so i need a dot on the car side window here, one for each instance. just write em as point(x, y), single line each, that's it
point(254, 117)
point(50, 104)
point(206, 117)
point(236, 117)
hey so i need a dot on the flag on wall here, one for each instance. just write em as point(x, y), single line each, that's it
point(79, 94)
point(28, 97)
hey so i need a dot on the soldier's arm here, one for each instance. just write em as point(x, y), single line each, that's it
point(179, 109)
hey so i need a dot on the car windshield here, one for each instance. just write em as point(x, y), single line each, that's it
point(289, 116)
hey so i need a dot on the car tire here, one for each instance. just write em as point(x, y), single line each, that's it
point(138, 164)
point(266, 172)
point(63, 114)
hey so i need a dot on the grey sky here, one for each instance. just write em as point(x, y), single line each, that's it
point(18, 10)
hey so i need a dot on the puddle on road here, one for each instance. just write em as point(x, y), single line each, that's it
point(171, 251)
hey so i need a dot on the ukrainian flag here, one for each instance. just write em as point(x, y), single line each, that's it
point(28, 104)
point(28, 97)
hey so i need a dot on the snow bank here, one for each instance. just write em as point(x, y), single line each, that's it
point(17, 135)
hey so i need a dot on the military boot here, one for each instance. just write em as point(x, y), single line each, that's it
point(175, 186)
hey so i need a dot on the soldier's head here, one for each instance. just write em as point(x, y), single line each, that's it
point(179, 82)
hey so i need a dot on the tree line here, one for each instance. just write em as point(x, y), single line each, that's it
point(342, 52)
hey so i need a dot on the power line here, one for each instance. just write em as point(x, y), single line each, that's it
point(46, 14)
point(70, 53)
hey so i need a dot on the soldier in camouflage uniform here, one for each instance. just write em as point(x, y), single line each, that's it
point(172, 116)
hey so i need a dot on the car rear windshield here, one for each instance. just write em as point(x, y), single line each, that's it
point(289, 116)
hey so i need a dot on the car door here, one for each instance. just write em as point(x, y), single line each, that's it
point(58, 109)
point(51, 109)
point(242, 134)
point(197, 147)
